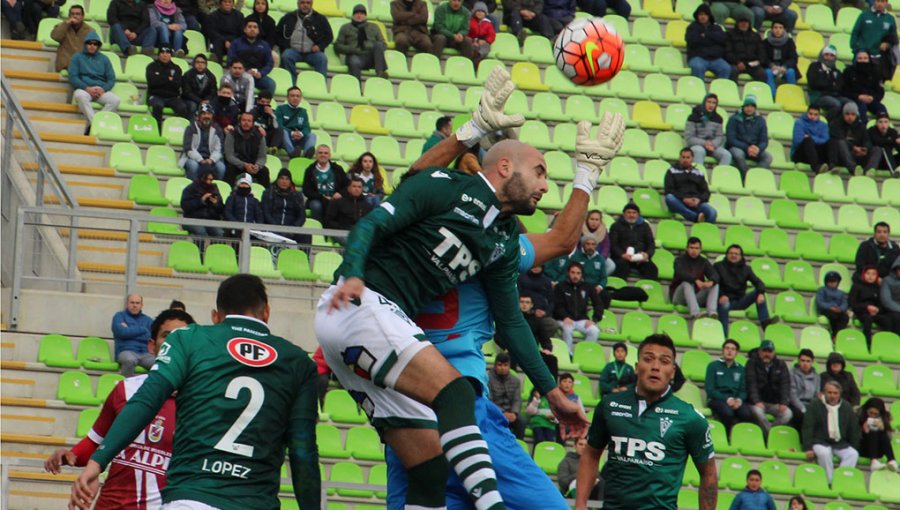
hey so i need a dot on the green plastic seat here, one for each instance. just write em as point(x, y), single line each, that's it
point(879, 380)
point(535, 223)
point(589, 357)
point(722, 206)
point(364, 444)
point(636, 326)
point(852, 344)
point(548, 455)
point(769, 272)
point(341, 407)
point(693, 364)
point(461, 71)
point(93, 354)
point(380, 92)
point(583, 388)
point(580, 107)
point(173, 129)
point(820, 216)
point(538, 50)
point(161, 160)
point(313, 86)
point(294, 265)
point(556, 197)
point(331, 116)
point(816, 338)
point(627, 85)
point(751, 211)
point(743, 236)
point(350, 146)
point(688, 499)
point(854, 219)
point(886, 345)
point(367, 119)
point(886, 485)
point(842, 247)
point(676, 327)
point(655, 172)
point(690, 89)
point(800, 276)
point(775, 243)
point(761, 182)
point(708, 333)
point(890, 190)
point(559, 166)
point(325, 263)
point(671, 234)
point(547, 106)
point(749, 439)
point(136, 68)
point(621, 26)
point(670, 61)
point(733, 472)
point(45, 27)
point(785, 442)
point(427, 67)
point(184, 256)
point(791, 307)
point(611, 199)
point(776, 476)
point(164, 228)
point(636, 143)
point(106, 383)
point(506, 47)
point(637, 59)
point(564, 136)
point(517, 104)
point(786, 213)
point(841, 270)
point(763, 94)
point(831, 188)
point(261, 263)
point(614, 105)
point(446, 97)
point(746, 333)
point(623, 171)
point(75, 388)
point(726, 89)
point(144, 129)
point(820, 18)
point(664, 260)
point(537, 134)
point(864, 190)
point(658, 87)
point(561, 351)
point(780, 125)
point(709, 235)
point(651, 204)
point(792, 97)
point(783, 337)
point(107, 126)
point(399, 122)
point(397, 66)
point(174, 188)
point(144, 190)
point(348, 472)
point(690, 393)
point(889, 214)
point(796, 185)
point(126, 157)
point(527, 76)
point(850, 483)
point(220, 259)
point(810, 479)
point(811, 246)
point(86, 419)
point(329, 442)
point(649, 31)
point(727, 179)
point(345, 88)
point(129, 96)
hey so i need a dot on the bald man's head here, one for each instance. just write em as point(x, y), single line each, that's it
point(519, 174)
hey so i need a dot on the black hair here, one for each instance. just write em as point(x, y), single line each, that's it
point(879, 404)
point(166, 316)
point(264, 94)
point(566, 375)
point(806, 352)
point(249, 20)
point(240, 294)
point(813, 106)
point(235, 61)
point(798, 499)
point(732, 342)
point(177, 305)
point(443, 122)
point(686, 149)
point(355, 178)
point(76, 6)
point(694, 240)
point(502, 358)
point(294, 88)
point(574, 263)
point(661, 339)
point(754, 472)
point(881, 224)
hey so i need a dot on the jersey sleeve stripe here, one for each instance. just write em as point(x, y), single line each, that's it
point(95, 437)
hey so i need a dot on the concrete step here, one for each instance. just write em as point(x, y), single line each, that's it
point(24, 60)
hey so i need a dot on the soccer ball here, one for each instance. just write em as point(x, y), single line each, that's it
point(589, 51)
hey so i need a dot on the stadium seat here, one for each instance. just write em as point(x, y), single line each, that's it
point(668, 142)
point(886, 346)
point(748, 437)
point(538, 50)
point(811, 481)
point(325, 263)
point(733, 472)
point(144, 129)
point(341, 407)
point(637, 59)
point(743, 236)
point(548, 455)
point(761, 183)
point(708, 332)
point(184, 256)
point(785, 442)
point(460, 71)
point(561, 351)
point(535, 223)
point(657, 296)
point(671, 234)
point(791, 97)
point(348, 472)
point(220, 259)
point(854, 219)
point(791, 307)
point(719, 436)
point(364, 444)
point(345, 88)
point(649, 116)
point(675, 31)
point(677, 115)
point(769, 272)
point(796, 185)
point(527, 76)
point(129, 97)
point(93, 354)
point(331, 116)
point(850, 483)
point(367, 119)
point(709, 235)
point(105, 385)
point(811, 245)
point(378, 476)
point(161, 160)
point(676, 327)
point(584, 389)
point(852, 344)
point(350, 146)
point(746, 333)
point(107, 126)
point(786, 214)
point(144, 190)
point(879, 380)
point(723, 209)
point(174, 189)
point(427, 67)
point(261, 263)
point(664, 260)
point(556, 80)
point(782, 335)
point(75, 388)
point(864, 190)
point(136, 68)
point(694, 363)
point(816, 338)
point(776, 477)
point(611, 199)
point(547, 106)
point(800, 276)
point(399, 122)
point(648, 30)
point(690, 393)
point(126, 157)
point(636, 143)
point(506, 47)
point(886, 485)
point(751, 211)
point(637, 326)
point(86, 419)
point(775, 243)
point(328, 439)
point(627, 85)
point(164, 228)
point(688, 499)
point(589, 356)
point(655, 173)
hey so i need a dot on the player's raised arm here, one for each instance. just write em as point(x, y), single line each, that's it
point(303, 453)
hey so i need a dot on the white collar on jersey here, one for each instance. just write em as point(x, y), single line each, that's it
point(246, 317)
point(642, 404)
point(486, 181)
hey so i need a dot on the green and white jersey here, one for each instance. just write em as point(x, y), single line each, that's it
point(243, 397)
point(648, 447)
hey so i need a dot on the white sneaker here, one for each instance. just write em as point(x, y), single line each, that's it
point(893, 465)
point(877, 465)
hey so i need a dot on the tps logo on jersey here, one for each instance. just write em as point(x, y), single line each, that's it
point(638, 451)
point(156, 430)
point(252, 353)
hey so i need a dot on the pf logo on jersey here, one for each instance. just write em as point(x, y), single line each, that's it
point(252, 353)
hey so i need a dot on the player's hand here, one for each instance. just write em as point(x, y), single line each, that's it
point(489, 116)
point(61, 457)
point(570, 415)
point(85, 487)
point(592, 155)
point(352, 288)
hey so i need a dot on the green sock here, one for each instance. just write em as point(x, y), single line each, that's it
point(427, 484)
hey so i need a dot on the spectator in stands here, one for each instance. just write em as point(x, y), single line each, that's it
point(36, 10)
point(574, 301)
point(451, 28)
point(836, 5)
point(706, 45)
point(443, 127)
point(726, 387)
point(831, 428)
point(686, 190)
point(190, 9)
point(833, 303)
point(168, 22)
point(805, 386)
point(164, 86)
point(131, 332)
point(201, 148)
point(177, 305)
point(703, 132)
point(748, 137)
point(781, 55)
point(245, 151)
point(303, 36)
point(559, 13)
point(541, 419)
point(372, 176)
point(527, 14)
point(91, 75)
point(753, 497)
point(722, 10)
point(775, 10)
point(481, 32)
point(826, 82)
point(344, 212)
point(877, 251)
point(241, 206)
point(555, 269)
point(734, 275)
point(618, 374)
point(297, 137)
point(797, 503)
point(256, 55)
point(266, 25)
point(264, 118)
point(362, 45)
point(539, 287)
point(198, 85)
point(223, 26)
point(695, 280)
point(323, 181)
point(862, 84)
point(809, 143)
point(849, 143)
point(242, 84)
point(890, 295)
point(70, 35)
point(201, 200)
point(593, 225)
point(745, 51)
point(598, 8)
point(592, 263)
point(768, 386)
point(885, 145)
point(875, 439)
point(545, 345)
point(567, 473)
point(129, 24)
point(836, 371)
point(875, 31)
point(13, 11)
point(632, 245)
point(283, 205)
point(225, 108)
point(410, 26)
point(506, 393)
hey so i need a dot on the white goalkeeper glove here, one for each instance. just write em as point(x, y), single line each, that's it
point(592, 155)
point(489, 116)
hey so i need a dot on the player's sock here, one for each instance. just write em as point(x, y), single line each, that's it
point(427, 484)
point(463, 445)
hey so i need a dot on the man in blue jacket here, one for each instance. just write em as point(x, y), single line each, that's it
point(256, 54)
point(810, 140)
point(747, 137)
point(131, 330)
point(91, 75)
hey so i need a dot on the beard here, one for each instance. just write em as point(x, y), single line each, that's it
point(517, 195)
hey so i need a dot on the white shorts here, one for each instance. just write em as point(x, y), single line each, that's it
point(187, 504)
point(367, 346)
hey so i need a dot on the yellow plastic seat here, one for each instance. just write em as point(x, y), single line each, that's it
point(366, 119)
point(527, 76)
point(791, 97)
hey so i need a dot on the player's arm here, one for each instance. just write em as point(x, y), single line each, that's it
point(303, 454)
point(588, 466)
point(700, 448)
point(81, 452)
point(709, 485)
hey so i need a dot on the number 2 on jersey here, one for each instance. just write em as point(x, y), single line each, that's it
point(257, 396)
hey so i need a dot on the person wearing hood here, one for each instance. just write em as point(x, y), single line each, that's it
point(164, 87)
point(303, 36)
point(225, 107)
point(877, 251)
point(706, 44)
point(890, 294)
point(282, 204)
point(831, 428)
point(632, 245)
point(70, 34)
point(747, 137)
point(753, 497)
point(567, 473)
point(726, 387)
point(703, 132)
point(775, 10)
point(617, 375)
point(724, 9)
point(129, 25)
point(806, 386)
point(198, 85)
point(410, 26)
point(686, 191)
point(825, 82)
point(594, 226)
point(168, 21)
point(865, 301)
point(481, 31)
point(781, 55)
point(833, 303)
point(266, 24)
point(505, 391)
point(92, 76)
point(875, 441)
point(849, 144)
point(745, 51)
point(885, 144)
point(443, 128)
point(734, 275)
point(362, 45)
point(862, 84)
point(836, 370)
point(695, 281)
point(242, 206)
point(810, 140)
point(202, 146)
point(245, 151)
point(768, 386)
point(223, 26)
point(592, 263)
point(451, 28)
point(201, 200)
